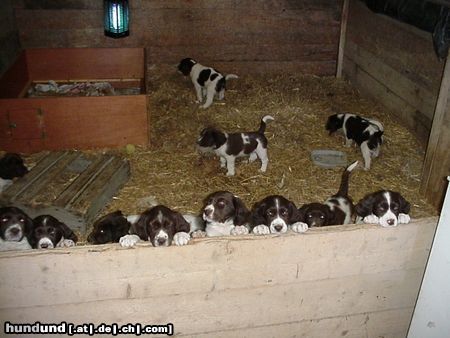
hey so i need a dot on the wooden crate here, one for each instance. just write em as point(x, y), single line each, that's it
point(70, 185)
point(30, 124)
point(341, 281)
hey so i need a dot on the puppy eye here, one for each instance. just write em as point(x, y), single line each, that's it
point(284, 212)
point(22, 220)
point(309, 216)
point(5, 219)
point(221, 204)
point(322, 216)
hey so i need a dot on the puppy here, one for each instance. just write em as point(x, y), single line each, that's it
point(207, 81)
point(225, 214)
point(230, 146)
point(48, 233)
point(275, 214)
point(385, 207)
point(367, 133)
point(337, 209)
point(159, 225)
point(109, 228)
point(11, 166)
point(15, 225)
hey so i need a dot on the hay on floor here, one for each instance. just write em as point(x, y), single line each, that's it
point(171, 172)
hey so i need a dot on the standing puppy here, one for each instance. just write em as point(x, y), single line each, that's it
point(207, 81)
point(225, 214)
point(160, 226)
point(15, 225)
point(385, 207)
point(367, 133)
point(275, 214)
point(231, 146)
point(337, 209)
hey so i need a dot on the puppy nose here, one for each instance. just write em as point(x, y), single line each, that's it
point(278, 227)
point(44, 245)
point(208, 212)
point(15, 231)
point(391, 221)
point(161, 241)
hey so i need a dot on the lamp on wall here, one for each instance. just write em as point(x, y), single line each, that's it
point(116, 18)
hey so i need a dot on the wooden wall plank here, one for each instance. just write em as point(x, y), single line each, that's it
point(281, 31)
point(223, 284)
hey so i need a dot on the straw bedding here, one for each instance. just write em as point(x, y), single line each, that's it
point(171, 172)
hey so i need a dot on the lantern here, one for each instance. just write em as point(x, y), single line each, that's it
point(116, 18)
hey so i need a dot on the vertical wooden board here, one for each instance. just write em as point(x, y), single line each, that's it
point(437, 159)
point(342, 39)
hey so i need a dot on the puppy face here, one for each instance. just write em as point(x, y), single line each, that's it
point(210, 138)
point(185, 66)
point(47, 232)
point(334, 123)
point(223, 206)
point(159, 225)
point(276, 212)
point(315, 214)
point(386, 205)
point(11, 166)
point(14, 224)
point(109, 228)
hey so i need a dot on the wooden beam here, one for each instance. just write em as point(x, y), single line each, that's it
point(436, 165)
point(344, 19)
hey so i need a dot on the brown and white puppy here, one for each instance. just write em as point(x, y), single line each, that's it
point(337, 209)
point(275, 214)
point(109, 228)
point(48, 233)
point(11, 166)
point(225, 214)
point(229, 146)
point(385, 207)
point(207, 81)
point(367, 133)
point(159, 225)
point(15, 225)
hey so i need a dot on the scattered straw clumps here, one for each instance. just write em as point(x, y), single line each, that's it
point(173, 173)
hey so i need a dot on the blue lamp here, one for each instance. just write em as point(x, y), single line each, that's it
point(116, 18)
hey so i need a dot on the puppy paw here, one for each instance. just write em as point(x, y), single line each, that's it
point(230, 173)
point(261, 230)
point(403, 218)
point(371, 219)
point(128, 241)
point(181, 238)
point(198, 234)
point(299, 227)
point(239, 230)
point(66, 243)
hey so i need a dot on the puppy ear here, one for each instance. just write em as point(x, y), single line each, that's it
point(242, 214)
point(365, 206)
point(302, 213)
point(293, 211)
point(180, 223)
point(67, 232)
point(258, 214)
point(139, 228)
point(405, 206)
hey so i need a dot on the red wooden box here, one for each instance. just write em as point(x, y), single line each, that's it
point(30, 124)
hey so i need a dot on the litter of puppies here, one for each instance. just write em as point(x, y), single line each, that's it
point(179, 177)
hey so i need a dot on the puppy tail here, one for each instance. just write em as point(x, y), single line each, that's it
point(264, 120)
point(343, 189)
point(231, 76)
